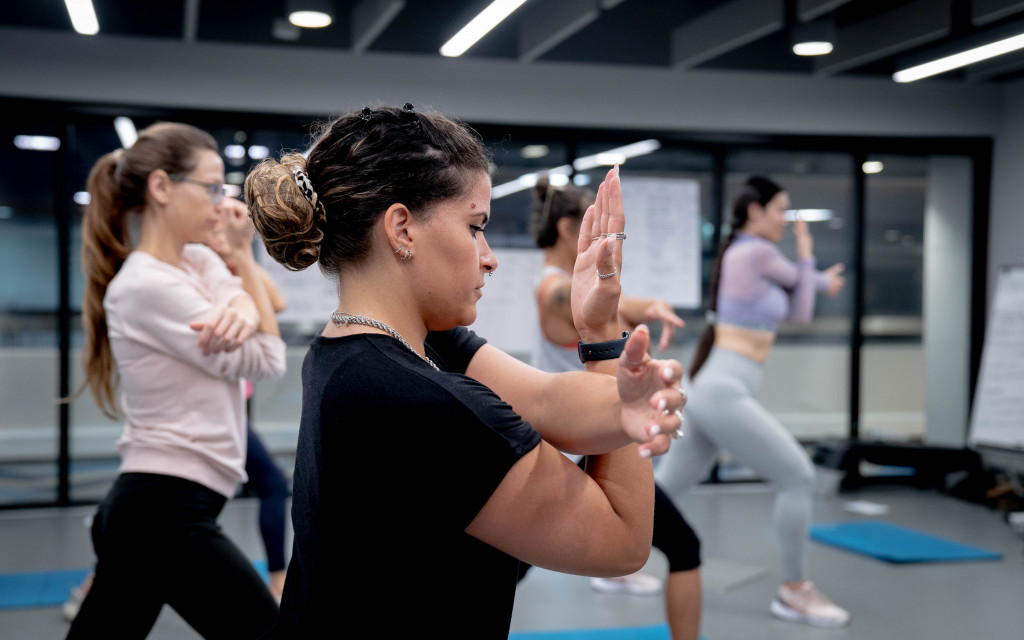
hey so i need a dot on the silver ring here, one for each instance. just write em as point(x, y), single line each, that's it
point(615, 236)
point(682, 392)
point(607, 275)
point(678, 432)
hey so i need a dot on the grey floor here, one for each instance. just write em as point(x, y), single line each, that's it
point(976, 600)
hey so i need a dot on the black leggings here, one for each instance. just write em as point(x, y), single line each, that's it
point(673, 535)
point(157, 542)
point(270, 485)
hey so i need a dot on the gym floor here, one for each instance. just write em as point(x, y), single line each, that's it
point(935, 601)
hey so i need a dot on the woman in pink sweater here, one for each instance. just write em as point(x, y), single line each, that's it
point(168, 323)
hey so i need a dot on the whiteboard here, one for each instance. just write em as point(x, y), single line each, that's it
point(662, 254)
point(997, 417)
point(310, 296)
point(506, 315)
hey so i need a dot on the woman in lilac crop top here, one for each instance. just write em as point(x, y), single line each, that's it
point(753, 289)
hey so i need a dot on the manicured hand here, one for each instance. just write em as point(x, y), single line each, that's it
point(651, 395)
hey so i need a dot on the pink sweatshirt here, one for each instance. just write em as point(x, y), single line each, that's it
point(184, 412)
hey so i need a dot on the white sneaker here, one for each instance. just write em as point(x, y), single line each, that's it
point(72, 604)
point(636, 584)
point(809, 606)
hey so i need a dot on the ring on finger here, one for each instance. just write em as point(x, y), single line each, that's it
point(682, 392)
point(678, 431)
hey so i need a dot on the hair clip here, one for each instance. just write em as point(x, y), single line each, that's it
point(407, 107)
point(366, 113)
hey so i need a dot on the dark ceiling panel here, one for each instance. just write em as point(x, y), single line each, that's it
point(623, 32)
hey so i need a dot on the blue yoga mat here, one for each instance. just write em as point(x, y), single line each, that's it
point(656, 632)
point(896, 544)
point(52, 588)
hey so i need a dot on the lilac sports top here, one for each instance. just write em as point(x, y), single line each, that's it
point(759, 287)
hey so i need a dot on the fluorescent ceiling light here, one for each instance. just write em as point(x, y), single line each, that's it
point(872, 166)
point(812, 48)
point(581, 179)
point(961, 59)
point(809, 215)
point(232, 190)
point(126, 132)
point(83, 17)
point(234, 151)
point(559, 176)
point(534, 151)
point(82, 197)
point(479, 26)
point(37, 143)
point(617, 155)
point(309, 19)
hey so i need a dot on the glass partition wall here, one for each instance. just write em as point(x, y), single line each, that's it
point(857, 369)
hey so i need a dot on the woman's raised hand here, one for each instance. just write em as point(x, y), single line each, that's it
point(835, 279)
point(232, 237)
point(595, 278)
point(804, 240)
point(651, 395)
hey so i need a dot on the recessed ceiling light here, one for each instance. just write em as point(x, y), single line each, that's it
point(872, 166)
point(37, 143)
point(310, 14)
point(126, 132)
point(812, 48)
point(533, 151)
point(809, 215)
point(234, 151)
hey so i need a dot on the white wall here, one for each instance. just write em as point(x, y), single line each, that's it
point(1006, 218)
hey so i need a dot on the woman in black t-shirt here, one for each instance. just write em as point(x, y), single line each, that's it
point(419, 442)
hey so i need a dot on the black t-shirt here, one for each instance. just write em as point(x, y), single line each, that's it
point(394, 460)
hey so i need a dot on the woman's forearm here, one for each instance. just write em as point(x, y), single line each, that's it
point(252, 282)
point(576, 411)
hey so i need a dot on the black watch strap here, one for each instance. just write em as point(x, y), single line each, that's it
point(591, 351)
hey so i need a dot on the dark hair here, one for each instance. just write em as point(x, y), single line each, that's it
point(756, 189)
point(118, 185)
point(361, 163)
point(551, 204)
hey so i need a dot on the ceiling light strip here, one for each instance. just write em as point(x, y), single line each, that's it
point(961, 59)
point(479, 26)
point(83, 17)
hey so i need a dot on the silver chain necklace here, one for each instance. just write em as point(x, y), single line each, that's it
point(339, 318)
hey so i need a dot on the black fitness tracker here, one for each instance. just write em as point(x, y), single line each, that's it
point(591, 351)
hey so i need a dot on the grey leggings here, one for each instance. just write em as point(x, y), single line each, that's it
point(721, 413)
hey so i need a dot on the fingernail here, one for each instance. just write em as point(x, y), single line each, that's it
point(666, 373)
point(662, 404)
point(645, 453)
point(654, 430)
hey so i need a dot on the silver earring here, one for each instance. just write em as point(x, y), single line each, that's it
point(407, 254)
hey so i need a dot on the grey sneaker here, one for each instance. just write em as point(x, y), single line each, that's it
point(637, 584)
point(809, 606)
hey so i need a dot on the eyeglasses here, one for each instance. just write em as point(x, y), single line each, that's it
point(214, 190)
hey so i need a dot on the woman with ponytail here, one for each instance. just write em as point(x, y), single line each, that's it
point(169, 327)
point(555, 220)
point(419, 443)
point(754, 288)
